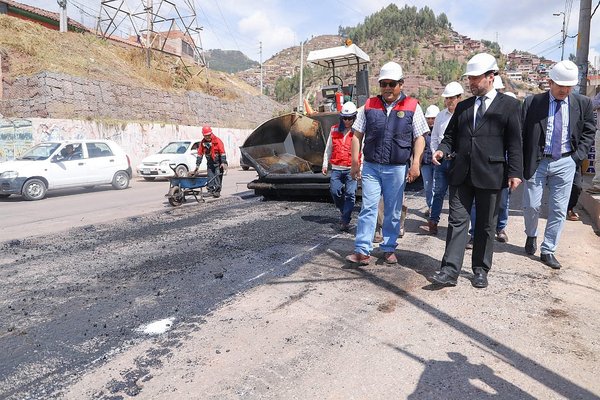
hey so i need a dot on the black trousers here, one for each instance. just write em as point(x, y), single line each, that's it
point(215, 177)
point(486, 208)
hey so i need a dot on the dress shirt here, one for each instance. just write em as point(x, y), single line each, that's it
point(489, 97)
point(565, 146)
point(439, 127)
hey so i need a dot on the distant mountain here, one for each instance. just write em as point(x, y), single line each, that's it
point(231, 61)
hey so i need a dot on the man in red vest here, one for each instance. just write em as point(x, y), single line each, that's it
point(213, 149)
point(338, 152)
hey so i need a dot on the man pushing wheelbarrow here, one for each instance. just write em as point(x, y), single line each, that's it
point(216, 162)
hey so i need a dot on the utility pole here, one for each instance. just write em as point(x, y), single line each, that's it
point(149, 30)
point(261, 68)
point(300, 99)
point(583, 44)
point(564, 35)
point(63, 15)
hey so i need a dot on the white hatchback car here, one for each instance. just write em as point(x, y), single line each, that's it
point(66, 164)
point(180, 153)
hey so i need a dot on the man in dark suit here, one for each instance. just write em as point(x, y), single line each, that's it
point(558, 130)
point(483, 130)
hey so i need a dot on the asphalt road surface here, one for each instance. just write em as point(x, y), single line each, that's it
point(71, 298)
point(242, 298)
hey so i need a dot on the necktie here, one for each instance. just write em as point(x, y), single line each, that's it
point(556, 141)
point(480, 110)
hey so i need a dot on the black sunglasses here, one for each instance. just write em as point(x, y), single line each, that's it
point(348, 118)
point(391, 84)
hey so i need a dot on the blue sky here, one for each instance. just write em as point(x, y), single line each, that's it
point(240, 24)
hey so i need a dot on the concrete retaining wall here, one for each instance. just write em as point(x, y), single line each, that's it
point(138, 140)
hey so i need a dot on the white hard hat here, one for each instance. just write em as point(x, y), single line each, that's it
point(565, 73)
point(511, 94)
point(432, 111)
point(391, 71)
point(348, 109)
point(498, 82)
point(481, 63)
point(453, 89)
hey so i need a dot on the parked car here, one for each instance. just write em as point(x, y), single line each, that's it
point(65, 164)
point(181, 153)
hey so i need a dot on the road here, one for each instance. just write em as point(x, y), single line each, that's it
point(64, 209)
point(243, 298)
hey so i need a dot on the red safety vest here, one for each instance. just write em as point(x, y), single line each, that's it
point(341, 147)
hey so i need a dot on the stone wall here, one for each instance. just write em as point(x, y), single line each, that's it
point(137, 139)
point(53, 95)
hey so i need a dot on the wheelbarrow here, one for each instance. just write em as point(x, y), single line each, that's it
point(180, 187)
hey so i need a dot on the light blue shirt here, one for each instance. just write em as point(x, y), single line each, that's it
point(565, 146)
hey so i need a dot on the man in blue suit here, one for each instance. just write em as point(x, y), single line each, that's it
point(558, 130)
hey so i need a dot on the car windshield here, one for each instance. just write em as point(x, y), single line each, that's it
point(40, 152)
point(175, 148)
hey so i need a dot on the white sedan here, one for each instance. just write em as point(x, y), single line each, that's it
point(66, 164)
point(175, 159)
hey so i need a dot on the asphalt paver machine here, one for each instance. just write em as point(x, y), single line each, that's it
point(287, 151)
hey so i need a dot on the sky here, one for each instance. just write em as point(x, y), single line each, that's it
point(241, 24)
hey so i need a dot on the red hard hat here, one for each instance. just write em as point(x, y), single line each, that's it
point(206, 130)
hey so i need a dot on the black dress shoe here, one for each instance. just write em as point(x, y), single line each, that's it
point(531, 245)
point(550, 261)
point(479, 280)
point(444, 278)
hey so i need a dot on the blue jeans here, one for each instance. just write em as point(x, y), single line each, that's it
point(558, 177)
point(502, 212)
point(440, 187)
point(378, 179)
point(343, 192)
point(427, 174)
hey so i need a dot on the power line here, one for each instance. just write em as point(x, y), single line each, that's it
point(227, 26)
point(545, 40)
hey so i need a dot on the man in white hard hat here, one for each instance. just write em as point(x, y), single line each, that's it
point(431, 114)
point(483, 139)
point(392, 125)
point(338, 153)
point(558, 130)
point(452, 95)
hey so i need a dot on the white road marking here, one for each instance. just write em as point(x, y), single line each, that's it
point(157, 327)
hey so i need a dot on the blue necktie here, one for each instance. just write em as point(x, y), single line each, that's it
point(480, 110)
point(556, 140)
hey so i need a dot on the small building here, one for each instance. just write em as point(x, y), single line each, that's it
point(48, 19)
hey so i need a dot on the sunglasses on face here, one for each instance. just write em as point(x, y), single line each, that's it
point(348, 118)
point(391, 84)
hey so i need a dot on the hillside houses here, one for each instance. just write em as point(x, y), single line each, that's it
point(528, 68)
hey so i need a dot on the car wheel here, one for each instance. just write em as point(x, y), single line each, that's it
point(120, 180)
point(176, 197)
point(149, 178)
point(245, 168)
point(34, 189)
point(181, 171)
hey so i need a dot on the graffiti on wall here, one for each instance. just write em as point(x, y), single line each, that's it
point(138, 140)
point(16, 137)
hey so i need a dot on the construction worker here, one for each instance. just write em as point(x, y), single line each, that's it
point(216, 161)
point(392, 125)
point(338, 152)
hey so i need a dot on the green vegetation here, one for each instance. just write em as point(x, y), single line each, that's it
point(230, 61)
point(394, 27)
point(286, 88)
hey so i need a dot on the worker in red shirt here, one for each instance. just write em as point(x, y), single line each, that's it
point(213, 149)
